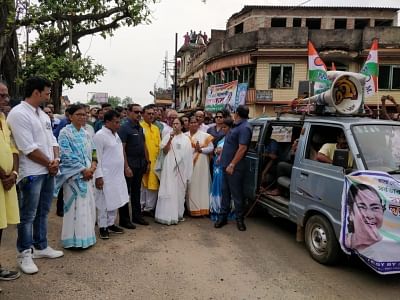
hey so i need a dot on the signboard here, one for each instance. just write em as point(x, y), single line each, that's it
point(221, 96)
point(100, 97)
point(371, 219)
point(264, 95)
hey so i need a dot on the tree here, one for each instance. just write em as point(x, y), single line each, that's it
point(9, 62)
point(60, 25)
point(127, 100)
point(114, 101)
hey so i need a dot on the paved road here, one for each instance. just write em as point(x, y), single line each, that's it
point(195, 261)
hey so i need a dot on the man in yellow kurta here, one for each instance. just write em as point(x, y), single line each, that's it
point(9, 212)
point(150, 183)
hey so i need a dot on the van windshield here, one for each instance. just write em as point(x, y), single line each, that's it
point(379, 146)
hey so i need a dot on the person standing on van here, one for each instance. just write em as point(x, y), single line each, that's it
point(232, 161)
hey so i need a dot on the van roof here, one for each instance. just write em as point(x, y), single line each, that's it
point(342, 120)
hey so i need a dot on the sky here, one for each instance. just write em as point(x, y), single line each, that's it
point(134, 56)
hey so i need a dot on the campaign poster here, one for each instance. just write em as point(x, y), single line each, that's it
point(220, 96)
point(240, 98)
point(371, 219)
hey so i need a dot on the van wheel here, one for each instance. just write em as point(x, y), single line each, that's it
point(321, 241)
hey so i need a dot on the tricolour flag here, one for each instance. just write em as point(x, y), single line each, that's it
point(317, 70)
point(371, 70)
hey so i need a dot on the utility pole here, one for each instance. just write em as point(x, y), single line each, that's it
point(175, 92)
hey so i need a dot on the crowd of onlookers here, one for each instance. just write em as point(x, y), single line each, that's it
point(105, 164)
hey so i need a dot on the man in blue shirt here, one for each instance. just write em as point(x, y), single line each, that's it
point(232, 161)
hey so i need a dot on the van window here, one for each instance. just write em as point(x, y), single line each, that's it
point(255, 137)
point(323, 141)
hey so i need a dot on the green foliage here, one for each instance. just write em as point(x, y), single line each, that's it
point(114, 101)
point(127, 100)
point(56, 23)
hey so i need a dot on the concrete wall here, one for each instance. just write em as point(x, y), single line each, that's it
point(261, 17)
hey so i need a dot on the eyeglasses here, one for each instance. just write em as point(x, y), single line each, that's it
point(4, 95)
point(47, 112)
point(218, 117)
point(137, 112)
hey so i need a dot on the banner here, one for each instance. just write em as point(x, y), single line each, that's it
point(240, 98)
point(371, 220)
point(221, 96)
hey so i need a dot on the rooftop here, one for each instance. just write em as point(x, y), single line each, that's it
point(356, 6)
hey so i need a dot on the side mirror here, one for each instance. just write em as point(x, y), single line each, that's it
point(341, 158)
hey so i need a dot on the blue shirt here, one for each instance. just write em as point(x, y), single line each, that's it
point(98, 125)
point(272, 147)
point(218, 135)
point(240, 134)
point(63, 122)
point(131, 134)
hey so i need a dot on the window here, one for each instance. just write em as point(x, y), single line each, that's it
point(281, 76)
point(389, 77)
point(296, 22)
point(313, 23)
point(245, 74)
point(340, 23)
point(255, 137)
point(239, 28)
point(383, 23)
point(361, 23)
point(278, 22)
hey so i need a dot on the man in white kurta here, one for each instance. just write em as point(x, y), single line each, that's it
point(111, 189)
point(199, 187)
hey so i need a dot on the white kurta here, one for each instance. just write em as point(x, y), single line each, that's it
point(110, 166)
point(199, 187)
point(176, 172)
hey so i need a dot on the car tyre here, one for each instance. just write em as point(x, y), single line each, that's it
point(321, 241)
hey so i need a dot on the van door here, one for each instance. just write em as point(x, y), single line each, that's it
point(252, 162)
point(315, 185)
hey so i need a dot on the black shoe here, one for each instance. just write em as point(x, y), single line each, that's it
point(127, 225)
point(140, 221)
point(8, 275)
point(220, 223)
point(148, 213)
point(115, 229)
point(104, 233)
point(240, 225)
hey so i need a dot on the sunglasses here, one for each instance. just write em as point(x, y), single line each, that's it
point(137, 112)
point(219, 117)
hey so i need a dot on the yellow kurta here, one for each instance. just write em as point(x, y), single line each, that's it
point(9, 211)
point(153, 140)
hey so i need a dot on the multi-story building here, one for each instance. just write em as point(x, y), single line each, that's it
point(266, 46)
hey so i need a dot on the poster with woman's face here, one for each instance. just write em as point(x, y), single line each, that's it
point(371, 219)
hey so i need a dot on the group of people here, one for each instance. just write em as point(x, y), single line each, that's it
point(105, 158)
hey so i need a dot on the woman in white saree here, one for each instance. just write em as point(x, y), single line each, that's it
point(175, 174)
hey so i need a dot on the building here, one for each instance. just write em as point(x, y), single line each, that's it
point(266, 46)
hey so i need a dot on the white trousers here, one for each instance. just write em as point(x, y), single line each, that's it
point(106, 218)
point(148, 199)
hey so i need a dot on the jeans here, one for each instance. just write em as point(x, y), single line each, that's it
point(36, 194)
point(232, 189)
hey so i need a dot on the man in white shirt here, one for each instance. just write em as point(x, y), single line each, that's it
point(39, 161)
point(112, 191)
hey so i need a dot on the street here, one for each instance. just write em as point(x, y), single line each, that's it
point(194, 261)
